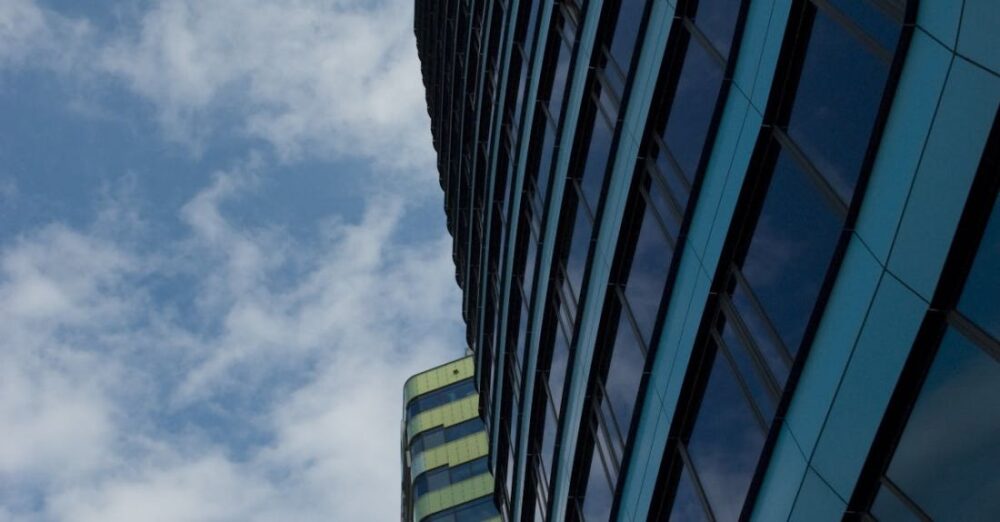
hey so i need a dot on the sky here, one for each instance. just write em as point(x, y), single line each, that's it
point(222, 252)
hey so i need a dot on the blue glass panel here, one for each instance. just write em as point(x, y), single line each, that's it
point(792, 247)
point(597, 162)
point(750, 372)
point(692, 107)
point(450, 393)
point(875, 22)
point(623, 42)
point(979, 297)
point(530, 262)
point(775, 355)
point(836, 103)
point(559, 80)
point(598, 497)
point(579, 247)
point(557, 371)
point(725, 443)
point(545, 166)
point(888, 508)
point(549, 440)
point(717, 20)
point(648, 274)
point(948, 456)
point(624, 375)
point(668, 206)
point(687, 507)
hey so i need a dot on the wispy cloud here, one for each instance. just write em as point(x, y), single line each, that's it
point(82, 405)
point(232, 372)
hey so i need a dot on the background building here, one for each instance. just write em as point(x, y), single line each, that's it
point(726, 259)
point(446, 476)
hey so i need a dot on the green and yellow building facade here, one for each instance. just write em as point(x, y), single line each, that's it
point(445, 448)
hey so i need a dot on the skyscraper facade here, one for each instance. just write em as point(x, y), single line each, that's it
point(726, 259)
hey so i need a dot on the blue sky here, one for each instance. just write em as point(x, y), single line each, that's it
point(222, 253)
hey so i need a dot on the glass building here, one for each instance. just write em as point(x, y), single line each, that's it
point(726, 259)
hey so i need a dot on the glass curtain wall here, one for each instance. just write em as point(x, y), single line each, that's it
point(689, 94)
point(827, 96)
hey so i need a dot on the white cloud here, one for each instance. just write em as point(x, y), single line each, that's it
point(31, 35)
point(92, 365)
point(313, 78)
point(306, 344)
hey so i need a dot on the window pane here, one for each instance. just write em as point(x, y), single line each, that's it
point(549, 441)
point(579, 247)
point(691, 110)
point(726, 443)
point(559, 80)
point(598, 498)
point(545, 164)
point(717, 19)
point(626, 31)
point(978, 301)
point(888, 508)
point(750, 372)
point(624, 374)
point(596, 164)
point(836, 102)
point(648, 274)
point(791, 250)
point(557, 371)
point(948, 456)
point(687, 507)
point(873, 20)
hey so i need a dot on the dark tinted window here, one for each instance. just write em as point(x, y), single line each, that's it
point(438, 436)
point(791, 250)
point(873, 19)
point(949, 453)
point(694, 102)
point(725, 443)
point(836, 103)
point(979, 299)
point(598, 497)
point(624, 375)
point(596, 164)
point(687, 507)
point(648, 274)
point(450, 393)
point(717, 20)
point(580, 246)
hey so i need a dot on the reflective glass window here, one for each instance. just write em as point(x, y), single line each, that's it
point(979, 297)
point(948, 456)
point(559, 79)
point(598, 498)
point(579, 247)
point(624, 374)
point(791, 249)
point(450, 393)
point(836, 102)
point(694, 102)
point(717, 20)
point(725, 443)
point(889, 508)
point(598, 154)
point(874, 19)
point(753, 375)
point(557, 370)
point(687, 507)
point(545, 167)
point(648, 274)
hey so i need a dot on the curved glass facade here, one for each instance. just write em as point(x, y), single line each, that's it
point(701, 242)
